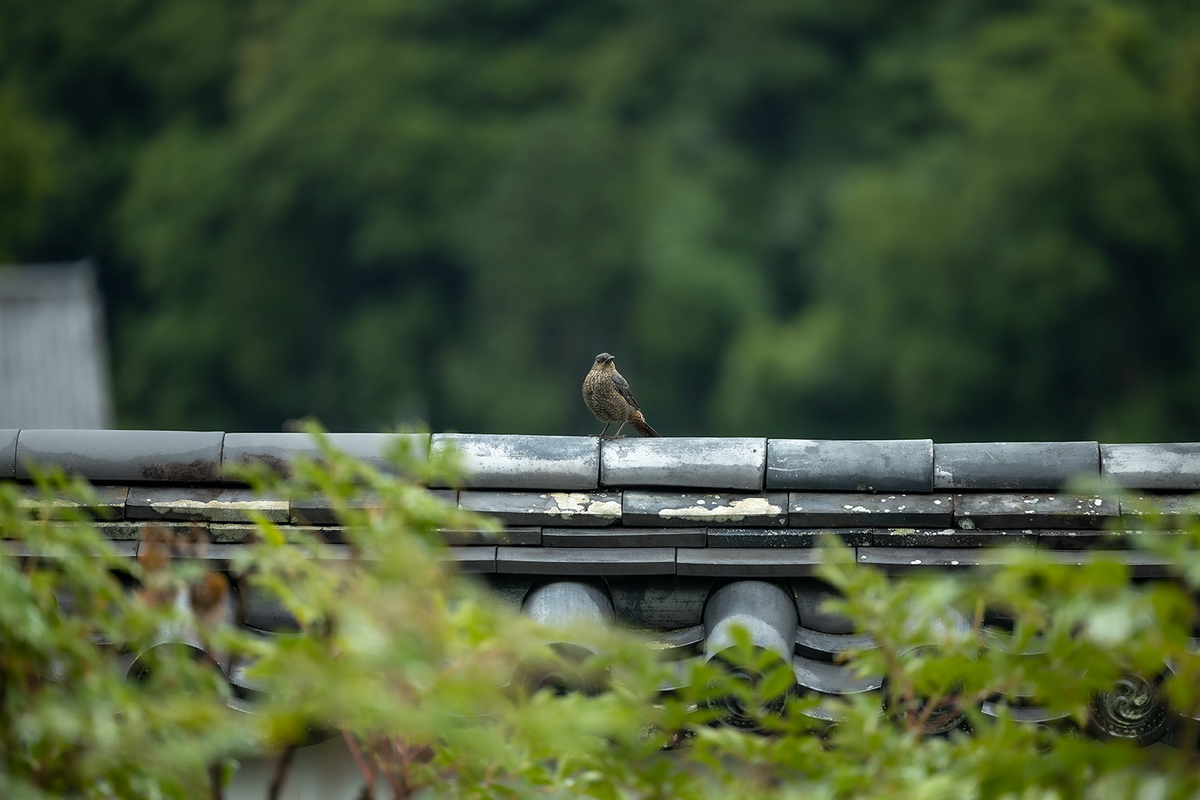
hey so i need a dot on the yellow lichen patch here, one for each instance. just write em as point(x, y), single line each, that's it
point(261, 505)
point(568, 504)
point(735, 511)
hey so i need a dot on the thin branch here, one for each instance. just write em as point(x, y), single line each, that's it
point(368, 791)
point(216, 790)
point(281, 770)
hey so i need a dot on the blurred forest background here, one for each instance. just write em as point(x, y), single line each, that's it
point(958, 219)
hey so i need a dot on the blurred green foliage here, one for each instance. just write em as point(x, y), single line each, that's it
point(421, 672)
point(942, 218)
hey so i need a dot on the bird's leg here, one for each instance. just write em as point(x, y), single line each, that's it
point(601, 433)
point(617, 435)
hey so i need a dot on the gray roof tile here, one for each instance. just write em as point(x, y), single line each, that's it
point(203, 550)
point(280, 450)
point(887, 465)
point(120, 456)
point(517, 536)
point(748, 562)
point(906, 559)
point(240, 532)
point(108, 505)
point(1141, 564)
point(684, 462)
point(623, 537)
point(1019, 466)
point(263, 611)
point(471, 559)
point(836, 679)
point(586, 561)
point(502, 461)
point(313, 509)
point(23, 548)
point(829, 646)
point(1082, 539)
point(1166, 467)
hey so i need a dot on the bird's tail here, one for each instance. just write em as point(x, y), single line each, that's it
point(639, 423)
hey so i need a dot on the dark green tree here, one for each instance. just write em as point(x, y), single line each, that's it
point(948, 220)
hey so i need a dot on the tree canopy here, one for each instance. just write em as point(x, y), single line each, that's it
point(935, 219)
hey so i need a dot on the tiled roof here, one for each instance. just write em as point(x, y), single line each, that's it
point(53, 363)
point(658, 528)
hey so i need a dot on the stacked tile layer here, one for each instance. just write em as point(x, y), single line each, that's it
point(657, 526)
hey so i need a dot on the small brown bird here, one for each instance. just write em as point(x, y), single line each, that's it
point(607, 395)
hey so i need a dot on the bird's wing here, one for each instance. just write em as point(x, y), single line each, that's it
point(623, 389)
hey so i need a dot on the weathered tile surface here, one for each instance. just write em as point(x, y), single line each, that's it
point(1142, 564)
point(837, 679)
point(113, 456)
point(586, 509)
point(202, 503)
point(202, 550)
point(948, 537)
point(886, 465)
point(114, 531)
point(750, 562)
point(1167, 506)
point(309, 509)
point(108, 505)
point(233, 532)
point(675, 639)
point(1164, 467)
point(1019, 466)
point(22, 548)
point(245, 533)
point(140, 529)
point(685, 462)
point(123, 530)
point(8, 452)
point(829, 646)
point(762, 537)
point(812, 595)
point(903, 559)
point(667, 602)
point(262, 610)
point(501, 461)
point(280, 450)
point(590, 561)
point(1082, 539)
point(693, 509)
point(623, 537)
point(1033, 511)
point(849, 510)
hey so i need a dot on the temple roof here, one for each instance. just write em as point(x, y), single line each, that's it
point(650, 530)
point(714, 507)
